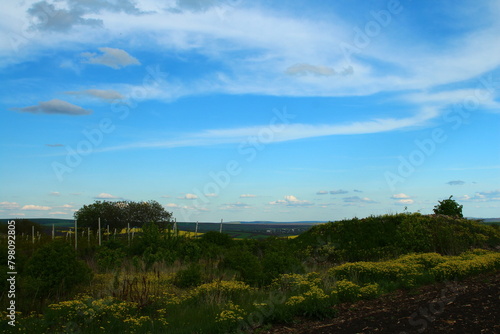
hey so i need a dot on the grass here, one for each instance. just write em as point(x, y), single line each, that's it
point(204, 292)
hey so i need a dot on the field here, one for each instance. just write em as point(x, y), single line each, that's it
point(241, 230)
point(245, 280)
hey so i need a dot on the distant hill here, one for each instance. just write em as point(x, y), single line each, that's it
point(490, 220)
point(305, 222)
point(47, 221)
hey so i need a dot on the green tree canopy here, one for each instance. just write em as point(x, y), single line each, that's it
point(449, 207)
point(119, 214)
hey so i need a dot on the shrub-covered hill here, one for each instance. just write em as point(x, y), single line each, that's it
point(387, 236)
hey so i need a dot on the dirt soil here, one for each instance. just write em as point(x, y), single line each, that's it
point(468, 306)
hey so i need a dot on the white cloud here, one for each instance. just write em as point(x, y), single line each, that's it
point(292, 201)
point(211, 195)
point(402, 199)
point(189, 196)
point(407, 201)
point(322, 192)
point(9, 205)
point(171, 205)
point(55, 193)
point(247, 196)
point(114, 58)
point(58, 213)
point(55, 106)
point(107, 196)
point(399, 196)
point(36, 207)
point(484, 196)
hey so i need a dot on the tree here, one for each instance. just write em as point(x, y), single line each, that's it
point(119, 214)
point(449, 207)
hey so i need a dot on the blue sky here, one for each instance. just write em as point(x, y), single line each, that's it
point(250, 110)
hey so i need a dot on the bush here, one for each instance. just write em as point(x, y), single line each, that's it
point(246, 264)
point(277, 263)
point(383, 237)
point(54, 268)
point(110, 256)
point(217, 238)
point(189, 277)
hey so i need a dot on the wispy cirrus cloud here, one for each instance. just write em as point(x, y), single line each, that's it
point(358, 200)
point(103, 94)
point(288, 132)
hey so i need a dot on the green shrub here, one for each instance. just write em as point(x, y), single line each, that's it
point(217, 238)
point(387, 236)
point(54, 268)
point(189, 277)
point(110, 256)
point(246, 264)
point(277, 263)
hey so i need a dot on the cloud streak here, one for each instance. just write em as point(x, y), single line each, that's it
point(114, 58)
point(288, 132)
point(107, 196)
point(55, 107)
point(291, 201)
point(103, 94)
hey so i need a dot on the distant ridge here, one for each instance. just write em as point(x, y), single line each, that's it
point(280, 223)
point(70, 222)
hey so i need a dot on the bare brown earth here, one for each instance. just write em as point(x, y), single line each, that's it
point(467, 306)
